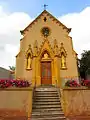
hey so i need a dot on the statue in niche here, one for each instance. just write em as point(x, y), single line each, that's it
point(63, 61)
point(45, 55)
point(29, 60)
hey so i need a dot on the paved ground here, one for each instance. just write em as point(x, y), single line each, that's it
point(69, 118)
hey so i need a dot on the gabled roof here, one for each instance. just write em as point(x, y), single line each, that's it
point(51, 16)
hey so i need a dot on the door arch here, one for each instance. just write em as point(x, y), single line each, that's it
point(46, 74)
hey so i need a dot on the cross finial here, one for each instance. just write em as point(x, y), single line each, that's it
point(45, 6)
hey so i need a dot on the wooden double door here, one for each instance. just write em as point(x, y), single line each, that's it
point(46, 76)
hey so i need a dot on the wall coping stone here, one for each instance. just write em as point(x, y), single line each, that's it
point(17, 89)
point(76, 88)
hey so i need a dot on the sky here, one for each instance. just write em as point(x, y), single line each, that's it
point(15, 15)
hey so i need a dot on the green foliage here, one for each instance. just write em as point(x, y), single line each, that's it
point(84, 67)
point(72, 83)
point(12, 68)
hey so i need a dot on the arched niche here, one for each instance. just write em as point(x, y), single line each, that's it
point(63, 55)
point(45, 55)
point(29, 58)
point(29, 61)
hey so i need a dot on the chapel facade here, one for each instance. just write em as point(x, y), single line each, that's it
point(46, 53)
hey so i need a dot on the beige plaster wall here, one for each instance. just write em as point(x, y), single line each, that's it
point(21, 71)
point(15, 102)
point(76, 101)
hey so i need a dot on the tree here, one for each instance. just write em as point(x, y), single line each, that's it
point(84, 67)
point(12, 68)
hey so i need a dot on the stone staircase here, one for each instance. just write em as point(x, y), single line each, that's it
point(46, 104)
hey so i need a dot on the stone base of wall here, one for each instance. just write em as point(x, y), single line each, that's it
point(76, 101)
point(81, 117)
point(13, 115)
point(15, 103)
point(13, 118)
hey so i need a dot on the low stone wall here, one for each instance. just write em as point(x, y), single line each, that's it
point(75, 101)
point(15, 103)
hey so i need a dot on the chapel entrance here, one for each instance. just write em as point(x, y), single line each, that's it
point(46, 77)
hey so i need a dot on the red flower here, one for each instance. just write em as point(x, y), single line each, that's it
point(85, 83)
point(72, 83)
point(17, 83)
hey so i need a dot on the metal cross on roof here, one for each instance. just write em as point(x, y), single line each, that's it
point(45, 6)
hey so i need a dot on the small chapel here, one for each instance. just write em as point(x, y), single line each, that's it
point(45, 64)
point(46, 55)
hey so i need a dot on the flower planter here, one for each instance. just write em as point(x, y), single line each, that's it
point(72, 83)
point(14, 83)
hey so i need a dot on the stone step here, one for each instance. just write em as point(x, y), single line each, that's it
point(46, 103)
point(47, 110)
point(49, 85)
point(46, 92)
point(50, 118)
point(46, 89)
point(46, 97)
point(47, 116)
point(47, 100)
point(45, 106)
point(47, 113)
point(41, 93)
point(46, 86)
